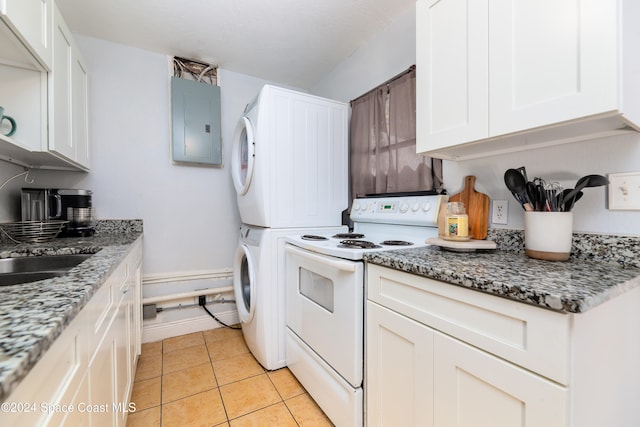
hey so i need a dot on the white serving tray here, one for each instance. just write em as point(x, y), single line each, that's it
point(462, 246)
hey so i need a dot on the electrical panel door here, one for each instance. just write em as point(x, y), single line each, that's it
point(196, 122)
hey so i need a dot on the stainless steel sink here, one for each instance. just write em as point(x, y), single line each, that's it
point(30, 269)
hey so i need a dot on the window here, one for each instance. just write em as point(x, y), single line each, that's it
point(382, 142)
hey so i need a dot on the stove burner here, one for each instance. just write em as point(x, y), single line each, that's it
point(357, 244)
point(312, 237)
point(349, 236)
point(396, 243)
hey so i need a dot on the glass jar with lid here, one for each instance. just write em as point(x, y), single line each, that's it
point(457, 222)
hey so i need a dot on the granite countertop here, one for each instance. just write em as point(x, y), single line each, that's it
point(574, 286)
point(33, 315)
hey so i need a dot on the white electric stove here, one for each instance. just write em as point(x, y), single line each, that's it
point(325, 296)
point(380, 223)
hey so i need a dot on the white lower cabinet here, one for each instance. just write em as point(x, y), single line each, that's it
point(399, 381)
point(441, 355)
point(419, 377)
point(473, 388)
point(86, 377)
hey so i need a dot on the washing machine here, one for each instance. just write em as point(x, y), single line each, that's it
point(289, 160)
point(259, 288)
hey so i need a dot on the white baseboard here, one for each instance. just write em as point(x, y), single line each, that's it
point(160, 331)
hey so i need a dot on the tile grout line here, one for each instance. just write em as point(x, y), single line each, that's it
point(203, 340)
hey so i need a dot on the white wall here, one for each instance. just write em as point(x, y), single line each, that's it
point(190, 216)
point(10, 193)
point(390, 52)
point(393, 50)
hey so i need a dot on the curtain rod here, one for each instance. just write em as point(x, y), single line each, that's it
point(397, 76)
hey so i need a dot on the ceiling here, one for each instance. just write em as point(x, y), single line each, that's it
point(295, 42)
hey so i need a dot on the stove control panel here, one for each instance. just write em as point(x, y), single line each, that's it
point(411, 210)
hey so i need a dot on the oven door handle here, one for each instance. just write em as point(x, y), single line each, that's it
point(332, 262)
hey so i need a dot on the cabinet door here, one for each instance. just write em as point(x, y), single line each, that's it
point(551, 61)
point(102, 379)
point(60, 132)
point(475, 389)
point(451, 67)
point(31, 19)
point(399, 372)
point(122, 367)
point(68, 106)
point(79, 109)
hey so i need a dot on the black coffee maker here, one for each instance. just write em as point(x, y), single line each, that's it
point(72, 205)
point(77, 209)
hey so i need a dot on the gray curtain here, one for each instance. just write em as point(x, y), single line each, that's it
point(383, 155)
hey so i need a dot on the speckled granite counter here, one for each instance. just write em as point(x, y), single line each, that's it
point(33, 315)
point(573, 286)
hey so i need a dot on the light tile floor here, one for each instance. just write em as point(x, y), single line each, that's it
point(211, 379)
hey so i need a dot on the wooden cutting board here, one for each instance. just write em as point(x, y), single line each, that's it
point(477, 207)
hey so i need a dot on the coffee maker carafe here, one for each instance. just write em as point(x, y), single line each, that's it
point(72, 205)
point(77, 209)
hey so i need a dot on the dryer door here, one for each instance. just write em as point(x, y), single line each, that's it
point(243, 156)
point(244, 283)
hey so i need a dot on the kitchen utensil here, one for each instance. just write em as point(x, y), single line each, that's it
point(32, 231)
point(517, 184)
point(532, 195)
point(523, 172)
point(562, 197)
point(552, 191)
point(541, 195)
point(569, 203)
point(477, 206)
point(585, 181)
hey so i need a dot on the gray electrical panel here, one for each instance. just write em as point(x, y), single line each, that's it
point(195, 109)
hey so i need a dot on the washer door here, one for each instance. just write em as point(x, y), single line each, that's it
point(244, 283)
point(243, 156)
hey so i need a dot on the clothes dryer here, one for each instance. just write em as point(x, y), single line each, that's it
point(289, 160)
point(258, 282)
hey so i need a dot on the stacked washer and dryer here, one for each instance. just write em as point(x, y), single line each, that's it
point(290, 172)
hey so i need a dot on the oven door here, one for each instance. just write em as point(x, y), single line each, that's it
point(325, 308)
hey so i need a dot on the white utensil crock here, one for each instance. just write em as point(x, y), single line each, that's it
point(547, 235)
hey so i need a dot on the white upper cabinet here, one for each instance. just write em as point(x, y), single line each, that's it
point(30, 21)
point(68, 114)
point(43, 86)
point(497, 76)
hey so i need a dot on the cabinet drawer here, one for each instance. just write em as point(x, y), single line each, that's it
point(534, 338)
point(103, 305)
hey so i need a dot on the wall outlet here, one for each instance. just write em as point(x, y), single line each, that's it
point(624, 191)
point(500, 212)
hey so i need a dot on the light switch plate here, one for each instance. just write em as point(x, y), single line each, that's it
point(624, 191)
point(500, 212)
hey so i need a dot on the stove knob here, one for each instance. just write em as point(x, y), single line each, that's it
point(404, 207)
point(415, 207)
point(356, 206)
point(371, 206)
point(426, 206)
